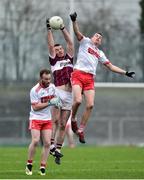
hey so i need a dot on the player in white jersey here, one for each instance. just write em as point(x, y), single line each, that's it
point(61, 62)
point(83, 76)
point(42, 96)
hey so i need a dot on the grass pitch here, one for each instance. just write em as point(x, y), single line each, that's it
point(84, 162)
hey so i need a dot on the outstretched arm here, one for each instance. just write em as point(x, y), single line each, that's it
point(50, 39)
point(77, 32)
point(70, 46)
point(116, 69)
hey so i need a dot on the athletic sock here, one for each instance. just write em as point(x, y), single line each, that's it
point(29, 161)
point(52, 147)
point(81, 128)
point(52, 141)
point(42, 165)
point(58, 147)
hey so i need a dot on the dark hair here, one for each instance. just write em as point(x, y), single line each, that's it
point(44, 71)
point(99, 33)
point(57, 45)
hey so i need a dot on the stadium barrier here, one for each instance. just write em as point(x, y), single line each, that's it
point(117, 118)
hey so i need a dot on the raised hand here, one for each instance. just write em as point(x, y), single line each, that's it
point(73, 16)
point(48, 24)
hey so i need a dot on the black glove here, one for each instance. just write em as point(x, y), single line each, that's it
point(73, 16)
point(130, 74)
point(48, 24)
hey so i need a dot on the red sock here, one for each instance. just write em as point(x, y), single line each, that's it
point(29, 161)
point(43, 165)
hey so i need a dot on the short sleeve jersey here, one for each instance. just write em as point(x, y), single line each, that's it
point(89, 56)
point(40, 94)
point(61, 69)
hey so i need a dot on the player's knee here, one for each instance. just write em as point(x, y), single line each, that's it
point(55, 120)
point(78, 101)
point(62, 126)
point(47, 144)
point(35, 141)
point(90, 106)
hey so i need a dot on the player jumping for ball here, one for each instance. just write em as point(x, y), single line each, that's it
point(62, 67)
point(83, 76)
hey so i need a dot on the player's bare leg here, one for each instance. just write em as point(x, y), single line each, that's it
point(69, 135)
point(55, 127)
point(77, 99)
point(32, 149)
point(46, 137)
point(65, 114)
point(89, 97)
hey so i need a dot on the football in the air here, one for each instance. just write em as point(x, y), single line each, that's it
point(56, 22)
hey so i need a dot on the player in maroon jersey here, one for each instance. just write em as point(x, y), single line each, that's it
point(61, 66)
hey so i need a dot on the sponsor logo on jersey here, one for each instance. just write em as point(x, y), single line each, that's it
point(46, 98)
point(63, 64)
point(93, 52)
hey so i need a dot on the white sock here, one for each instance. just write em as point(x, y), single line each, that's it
point(58, 150)
point(52, 146)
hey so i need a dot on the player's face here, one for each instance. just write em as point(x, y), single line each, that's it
point(59, 50)
point(97, 39)
point(46, 80)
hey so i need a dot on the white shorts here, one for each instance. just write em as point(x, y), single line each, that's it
point(66, 99)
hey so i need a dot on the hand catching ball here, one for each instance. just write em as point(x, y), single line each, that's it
point(56, 22)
